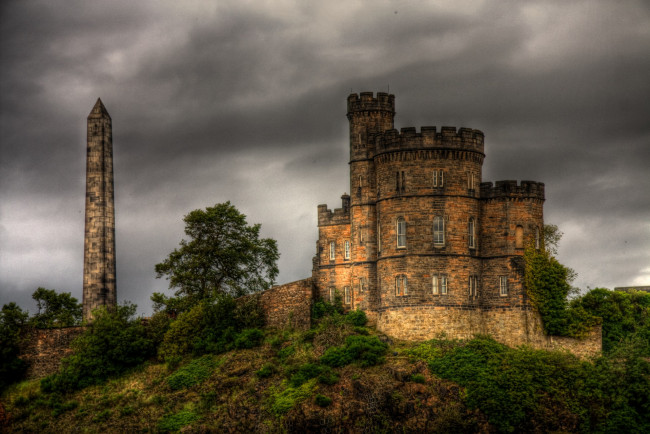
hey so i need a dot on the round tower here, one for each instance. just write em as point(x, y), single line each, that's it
point(368, 116)
point(428, 210)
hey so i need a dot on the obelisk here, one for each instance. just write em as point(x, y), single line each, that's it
point(99, 241)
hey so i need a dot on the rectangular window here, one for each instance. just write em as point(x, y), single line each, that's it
point(503, 285)
point(438, 178)
point(348, 296)
point(442, 178)
point(470, 181)
point(438, 231)
point(378, 236)
point(473, 286)
point(347, 249)
point(401, 287)
point(435, 285)
point(362, 284)
point(435, 178)
point(403, 182)
point(471, 234)
point(332, 251)
point(443, 285)
point(401, 233)
point(332, 295)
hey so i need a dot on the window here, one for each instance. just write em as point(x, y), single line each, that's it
point(332, 251)
point(438, 231)
point(347, 249)
point(470, 181)
point(537, 238)
point(471, 233)
point(401, 233)
point(503, 286)
point(519, 237)
point(440, 284)
point(403, 182)
point(473, 286)
point(348, 297)
point(400, 285)
point(378, 236)
point(438, 178)
point(362, 284)
point(332, 294)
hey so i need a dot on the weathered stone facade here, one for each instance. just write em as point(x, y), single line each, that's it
point(43, 349)
point(99, 241)
point(289, 305)
point(421, 243)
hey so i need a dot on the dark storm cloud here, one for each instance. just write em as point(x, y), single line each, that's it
point(245, 101)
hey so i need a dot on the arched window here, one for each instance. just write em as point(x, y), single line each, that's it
point(519, 237)
point(471, 229)
point(401, 233)
point(438, 231)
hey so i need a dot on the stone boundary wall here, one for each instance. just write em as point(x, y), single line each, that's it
point(512, 327)
point(43, 349)
point(288, 305)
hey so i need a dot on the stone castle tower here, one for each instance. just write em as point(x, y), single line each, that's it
point(421, 243)
point(99, 241)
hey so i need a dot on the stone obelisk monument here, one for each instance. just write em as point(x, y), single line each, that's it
point(99, 241)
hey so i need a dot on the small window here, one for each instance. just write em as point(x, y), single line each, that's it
point(537, 238)
point(519, 237)
point(378, 236)
point(470, 180)
point(348, 296)
point(443, 285)
point(438, 231)
point(401, 287)
point(503, 286)
point(401, 233)
point(403, 182)
point(332, 294)
point(473, 286)
point(362, 284)
point(440, 284)
point(435, 285)
point(471, 233)
point(438, 178)
point(347, 249)
point(332, 251)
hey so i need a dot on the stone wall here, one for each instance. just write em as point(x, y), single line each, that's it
point(513, 327)
point(288, 305)
point(43, 349)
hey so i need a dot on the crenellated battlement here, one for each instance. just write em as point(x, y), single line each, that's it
point(511, 189)
point(367, 102)
point(465, 139)
point(338, 216)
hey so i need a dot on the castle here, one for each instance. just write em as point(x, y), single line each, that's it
point(421, 244)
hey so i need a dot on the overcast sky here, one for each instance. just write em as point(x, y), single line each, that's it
point(246, 100)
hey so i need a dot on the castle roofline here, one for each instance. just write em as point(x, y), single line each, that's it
point(99, 111)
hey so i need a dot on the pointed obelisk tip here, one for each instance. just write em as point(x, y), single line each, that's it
point(99, 111)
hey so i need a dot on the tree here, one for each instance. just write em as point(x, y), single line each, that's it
point(223, 256)
point(55, 310)
point(12, 320)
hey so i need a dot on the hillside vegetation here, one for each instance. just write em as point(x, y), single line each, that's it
point(343, 376)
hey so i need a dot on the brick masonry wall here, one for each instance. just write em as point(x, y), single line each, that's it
point(288, 305)
point(43, 349)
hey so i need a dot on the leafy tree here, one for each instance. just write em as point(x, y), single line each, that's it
point(224, 255)
point(55, 310)
point(12, 320)
point(112, 343)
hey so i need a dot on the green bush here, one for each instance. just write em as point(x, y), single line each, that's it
point(357, 318)
point(322, 308)
point(282, 402)
point(265, 371)
point(322, 400)
point(418, 378)
point(193, 373)
point(113, 342)
point(328, 376)
point(249, 338)
point(305, 373)
point(365, 350)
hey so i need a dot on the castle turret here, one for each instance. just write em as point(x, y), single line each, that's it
point(99, 242)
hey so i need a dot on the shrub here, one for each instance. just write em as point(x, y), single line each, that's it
point(418, 378)
point(265, 371)
point(113, 342)
point(322, 308)
point(249, 338)
point(305, 373)
point(193, 373)
point(322, 400)
point(328, 376)
point(284, 401)
point(365, 350)
point(357, 318)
